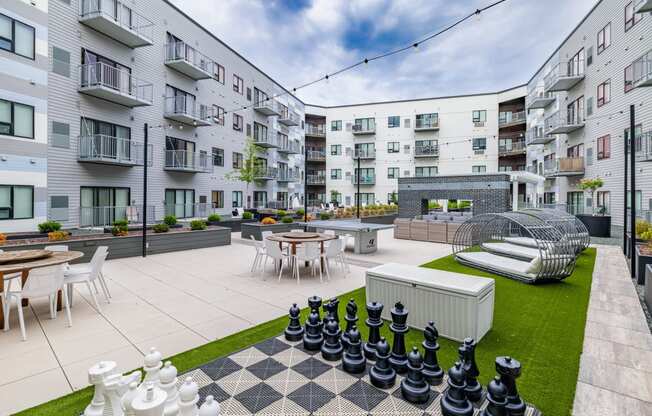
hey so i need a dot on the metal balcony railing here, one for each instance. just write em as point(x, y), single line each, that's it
point(287, 176)
point(368, 127)
point(511, 118)
point(265, 138)
point(317, 130)
point(289, 117)
point(539, 98)
point(186, 161)
point(185, 109)
point(189, 210)
point(316, 155)
point(268, 107)
point(644, 147)
point(104, 216)
point(186, 59)
point(319, 179)
point(117, 20)
point(364, 153)
point(510, 148)
point(642, 68)
point(117, 85)
point(289, 146)
point(643, 6)
point(563, 122)
point(536, 135)
point(101, 148)
point(564, 75)
point(277, 204)
point(266, 173)
point(431, 150)
point(364, 179)
point(564, 166)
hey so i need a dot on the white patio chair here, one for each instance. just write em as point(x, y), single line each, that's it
point(85, 268)
point(87, 277)
point(307, 252)
point(345, 240)
point(9, 278)
point(329, 232)
point(260, 253)
point(274, 252)
point(42, 282)
point(332, 251)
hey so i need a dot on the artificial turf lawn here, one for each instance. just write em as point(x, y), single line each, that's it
point(541, 326)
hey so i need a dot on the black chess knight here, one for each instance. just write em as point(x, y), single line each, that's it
point(382, 375)
point(497, 398)
point(351, 319)
point(331, 308)
point(374, 322)
point(353, 361)
point(414, 387)
point(454, 402)
point(399, 327)
point(312, 336)
point(467, 357)
point(294, 331)
point(431, 369)
point(509, 370)
point(331, 349)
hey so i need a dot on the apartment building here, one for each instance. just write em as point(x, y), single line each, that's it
point(578, 110)
point(380, 142)
point(23, 114)
point(316, 158)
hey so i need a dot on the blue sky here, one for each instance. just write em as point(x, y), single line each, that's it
point(296, 41)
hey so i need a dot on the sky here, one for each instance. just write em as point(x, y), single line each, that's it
point(298, 41)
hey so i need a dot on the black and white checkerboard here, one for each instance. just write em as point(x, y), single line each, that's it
point(277, 377)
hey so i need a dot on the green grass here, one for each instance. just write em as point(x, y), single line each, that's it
point(541, 326)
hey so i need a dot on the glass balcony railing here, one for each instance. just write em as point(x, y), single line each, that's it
point(563, 122)
point(511, 118)
point(511, 147)
point(265, 173)
point(316, 155)
point(364, 179)
point(318, 179)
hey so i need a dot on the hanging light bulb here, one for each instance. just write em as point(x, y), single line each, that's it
point(477, 15)
point(326, 78)
point(416, 46)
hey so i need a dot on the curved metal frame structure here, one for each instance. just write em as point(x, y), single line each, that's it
point(557, 254)
point(569, 225)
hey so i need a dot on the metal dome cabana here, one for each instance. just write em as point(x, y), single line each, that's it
point(482, 242)
point(569, 225)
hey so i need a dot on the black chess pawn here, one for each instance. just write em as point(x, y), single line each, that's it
point(353, 361)
point(312, 336)
point(294, 331)
point(454, 402)
point(431, 369)
point(497, 398)
point(467, 357)
point(399, 327)
point(382, 375)
point(374, 322)
point(414, 387)
point(332, 349)
point(509, 370)
point(351, 319)
point(314, 303)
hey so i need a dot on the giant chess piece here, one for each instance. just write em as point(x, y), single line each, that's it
point(351, 319)
point(110, 387)
point(431, 369)
point(467, 356)
point(454, 402)
point(331, 349)
point(509, 370)
point(128, 399)
point(152, 365)
point(399, 327)
point(149, 401)
point(382, 375)
point(374, 322)
point(314, 303)
point(211, 407)
point(312, 337)
point(168, 378)
point(188, 398)
point(331, 309)
point(497, 398)
point(294, 331)
point(414, 387)
point(353, 361)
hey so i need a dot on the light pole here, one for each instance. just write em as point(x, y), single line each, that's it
point(357, 179)
point(632, 177)
point(145, 137)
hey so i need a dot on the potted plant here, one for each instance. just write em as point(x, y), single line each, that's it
point(597, 223)
point(48, 227)
point(120, 228)
point(214, 219)
point(197, 225)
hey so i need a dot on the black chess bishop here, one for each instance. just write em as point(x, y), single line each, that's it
point(431, 369)
point(399, 327)
point(373, 322)
point(331, 308)
point(496, 398)
point(332, 349)
point(353, 361)
point(312, 336)
point(382, 375)
point(351, 319)
point(509, 370)
point(454, 402)
point(294, 331)
point(414, 387)
point(467, 357)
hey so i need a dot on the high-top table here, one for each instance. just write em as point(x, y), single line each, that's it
point(295, 238)
point(364, 234)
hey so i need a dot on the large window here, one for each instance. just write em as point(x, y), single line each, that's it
point(16, 37)
point(638, 131)
point(260, 199)
point(479, 143)
point(604, 147)
point(631, 18)
point(425, 171)
point(336, 149)
point(604, 93)
point(364, 124)
point(218, 73)
point(236, 199)
point(218, 115)
point(16, 202)
point(575, 151)
point(478, 169)
point(629, 78)
point(604, 38)
point(392, 173)
point(575, 111)
point(238, 122)
point(365, 198)
point(218, 156)
point(336, 173)
point(16, 119)
point(238, 160)
point(479, 116)
point(336, 125)
point(365, 149)
point(603, 202)
point(178, 101)
point(180, 202)
point(393, 121)
point(393, 147)
point(217, 199)
point(104, 139)
point(101, 206)
point(427, 120)
point(238, 84)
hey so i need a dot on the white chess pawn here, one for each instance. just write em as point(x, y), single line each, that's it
point(152, 366)
point(149, 402)
point(188, 398)
point(96, 376)
point(168, 380)
point(128, 399)
point(210, 407)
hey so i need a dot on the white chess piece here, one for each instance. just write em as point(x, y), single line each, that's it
point(152, 366)
point(128, 398)
point(188, 398)
point(210, 407)
point(168, 380)
point(96, 376)
point(149, 402)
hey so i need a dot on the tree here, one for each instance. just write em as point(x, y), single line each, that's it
point(334, 196)
point(591, 185)
point(247, 173)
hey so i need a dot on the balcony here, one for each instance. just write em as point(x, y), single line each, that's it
point(364, 154)
point(364, 179)
point(564, 76)
point(643, 6)
point(100, 148)
point(186, 161)
point(426, 124)
point(265, 174)
point(185, 59)
point(316, 156)
point(644, 153)
point(516, 147)
point(277, 205)
point(186, 110)
point(118, 21)
point(539, 99)
point(315, 130)
point(563, 122)
point(289, 147)
point(536, 136)
point(268, 107)
point(266, 139)
point(104, 216)
point(509, 119)
point(189, 210)
point(287, 176)
point(362, 129)
point(289, 117)
point(565, 166)
point(642, 68)
point(112, 84)
point(423, 151)
point(318, 179)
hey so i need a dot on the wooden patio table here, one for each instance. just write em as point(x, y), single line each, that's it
point(295, 238)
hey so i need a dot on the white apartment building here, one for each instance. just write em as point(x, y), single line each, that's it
point(578, 110)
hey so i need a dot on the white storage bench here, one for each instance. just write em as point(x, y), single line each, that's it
point(460, 305)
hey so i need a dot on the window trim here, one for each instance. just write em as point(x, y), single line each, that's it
point(393, 147)
point(240, 126)
point(476, 147)
point(13, 38)
point(237, 83)
point(234, 200)
point(337, 172)
point(606, 94)
point(393, 169)
point(219, 120)
point(219, 72)
point(11, 202)
point(603, 147)
point(218, 192)
point(214, 153)
point(339, 149)
point(391, 125)
point(604, 44)
point(337, 124)
point(12, 123)
point(636, 17)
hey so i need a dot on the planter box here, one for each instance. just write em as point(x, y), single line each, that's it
point(437, 232)
point(597, 225)
point(451, 229)
point(402, 228)
point(628, 244)
point(380, 219)
point(647, 290)
point(234, 224)
point(131, 246)
point(419, 230)
point(642, 261)
point(256, 229)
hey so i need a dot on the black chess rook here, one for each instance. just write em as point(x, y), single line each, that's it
point(454, 402)
point(431, 369)
point(351, 319)
point(312, 336)
point(496, 398)
point(294, 331)
point(467, 357)
point(373, 322)
point(414, 387)
point(509, 370)
point(382, 375)
point(399, 327)
point(332, 349)
point(353, 361)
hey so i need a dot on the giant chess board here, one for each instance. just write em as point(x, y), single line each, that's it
point(278, 377)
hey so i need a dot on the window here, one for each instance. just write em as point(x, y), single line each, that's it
point(336, 125)
point(107, 140)
point(365, 198)
point(60, 62)
point(217, 199)
point(392, 198)
point(238, 160)
point(589, 56)
point(393, 147)
point(16, 119)
point(16, 202)
point(629, 78)
point(604, 93)
point(218, 73)
point(238, 122)
point(393, 121)
point(604, 38)
point(248, 94)
point(589, 106)
point(604, 147)
point(575, 151)
point(367, 175)
point(238, 84)
point(176, 101)
point(365, 149)
point(16, 37)
point(218, 156)
point(336, 173)
point(336, 149)
point(236, 199)
point(102, 205)
point(392, 173)
point(479, 116)
point(427, 120)
point(603, 202)
point(260, 132)
point(575, 111)
point(478, 169)
point(638, 131)
point(631, 18)
point(364, 124)
point(479, 143)
point(218, 115)
point(504, 168)
point(639, 200)
point(425, 171)
point(575, 202)
point(260, 199)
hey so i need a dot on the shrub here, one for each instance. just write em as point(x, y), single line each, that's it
point(452, 204)
point(268, 221)
point(300, 212)
point(120, 228)
point(197, 225)
point(281, 213)
point(287, 220)
point(642, 226)
point(646, 235)
point(324, 216)
point(247, 215)
point(3, 239)
point(170, 220)
point(58, 235)
point(49, 226)
point(214, 218)
point(161, 228)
